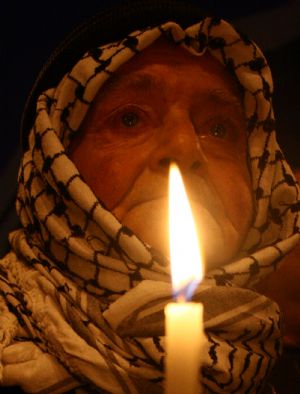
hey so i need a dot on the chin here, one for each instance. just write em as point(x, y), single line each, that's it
point(149, 221)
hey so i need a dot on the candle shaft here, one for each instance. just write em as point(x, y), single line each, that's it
point(184, 343)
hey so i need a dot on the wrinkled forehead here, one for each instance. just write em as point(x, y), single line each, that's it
point(165, 64)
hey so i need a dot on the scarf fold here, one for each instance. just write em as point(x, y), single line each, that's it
point(88, 295)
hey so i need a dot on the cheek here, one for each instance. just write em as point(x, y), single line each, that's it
point(229, 173)
point(232, 182)
point(110, 171)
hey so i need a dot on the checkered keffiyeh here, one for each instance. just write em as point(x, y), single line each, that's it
point(89, 294)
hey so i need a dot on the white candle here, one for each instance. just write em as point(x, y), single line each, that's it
point(184, 320)
point(183, 341)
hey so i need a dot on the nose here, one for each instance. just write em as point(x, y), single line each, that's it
point(178, 142)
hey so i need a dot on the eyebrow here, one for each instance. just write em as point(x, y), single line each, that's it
point(136, 81)
point(224, 97)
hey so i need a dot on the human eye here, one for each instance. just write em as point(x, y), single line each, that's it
point(127, 121)
point(130, 119)
point(218, 128)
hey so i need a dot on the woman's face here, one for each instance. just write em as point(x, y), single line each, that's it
point(167, 104)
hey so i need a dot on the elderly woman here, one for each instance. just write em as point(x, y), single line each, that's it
point(84, 287)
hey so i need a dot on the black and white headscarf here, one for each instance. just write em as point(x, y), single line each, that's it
point(89, 293)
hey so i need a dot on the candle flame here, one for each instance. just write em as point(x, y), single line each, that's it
point(185, 255)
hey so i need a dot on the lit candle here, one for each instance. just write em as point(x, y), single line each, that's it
point(184, 320)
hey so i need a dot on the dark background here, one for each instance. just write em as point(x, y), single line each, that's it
point(30, 30)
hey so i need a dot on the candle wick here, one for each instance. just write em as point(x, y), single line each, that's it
point(185, 292)
point(181, 298)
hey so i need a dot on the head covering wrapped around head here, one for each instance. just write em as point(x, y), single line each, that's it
point(75, 269)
